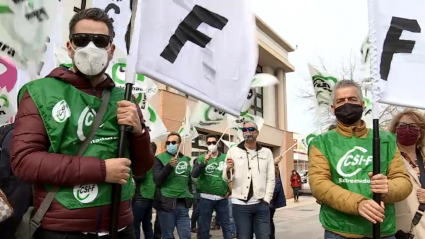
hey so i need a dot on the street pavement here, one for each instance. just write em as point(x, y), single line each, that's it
point(296, 220)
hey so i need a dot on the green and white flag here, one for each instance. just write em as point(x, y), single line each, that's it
point(205, 115)
point(157, 130)
point(24, 27)
point(324, 82)
point(306, 141)
point(187, 131)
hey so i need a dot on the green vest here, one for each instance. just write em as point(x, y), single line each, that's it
point(147, 186)
point(68, 115)
point(211, 178)
point(351, 160)
point(177, 183)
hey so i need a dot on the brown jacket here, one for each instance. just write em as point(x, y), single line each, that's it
point(32, 162)
point(327, 192)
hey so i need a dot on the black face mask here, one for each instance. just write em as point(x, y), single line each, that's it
point(349, 113)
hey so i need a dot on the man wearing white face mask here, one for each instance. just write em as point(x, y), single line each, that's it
point(251, 169)
point(208, 168)
point(67, 151)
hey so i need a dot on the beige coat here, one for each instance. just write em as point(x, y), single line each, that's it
point(407, 208)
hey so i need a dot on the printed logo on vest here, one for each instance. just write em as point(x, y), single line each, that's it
point(210, 168)
point(86, 193)
point(181, 167)
point(356, 158)
point(86, 120)
point(61, 111)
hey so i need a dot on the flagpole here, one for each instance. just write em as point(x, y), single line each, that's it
point(125, 130)
point(375, 75)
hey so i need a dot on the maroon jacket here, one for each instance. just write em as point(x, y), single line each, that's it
point(32, 162)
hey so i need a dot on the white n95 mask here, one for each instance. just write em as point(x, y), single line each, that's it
point(90, 60)
point(212, 148)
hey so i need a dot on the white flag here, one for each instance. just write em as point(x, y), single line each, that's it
point(204, 48)
point(206, 115)
point(157, 130)
point(398, 51)
point(187, 131)
point(229, 144)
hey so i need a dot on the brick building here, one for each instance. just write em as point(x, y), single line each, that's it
point(270, 103)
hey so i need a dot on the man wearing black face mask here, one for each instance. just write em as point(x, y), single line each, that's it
point(340, 172)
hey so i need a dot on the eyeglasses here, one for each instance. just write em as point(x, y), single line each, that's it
point(250, 129)
point(414, 126)
point(171, 142)
point(83, 39)
point(213, 143)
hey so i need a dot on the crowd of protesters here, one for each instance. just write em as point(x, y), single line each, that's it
point(60, 157)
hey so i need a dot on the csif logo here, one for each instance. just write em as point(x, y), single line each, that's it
point(86, 193)
point(181, 167)
point(85, 120)
point(61, 111)
point(210, 168)
point(353, 162)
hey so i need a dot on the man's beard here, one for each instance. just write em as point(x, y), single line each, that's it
point(249, 138)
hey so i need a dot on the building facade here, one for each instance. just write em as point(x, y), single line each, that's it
point(270, 103)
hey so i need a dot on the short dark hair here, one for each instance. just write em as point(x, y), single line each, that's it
point(154, 147)
point(211, 136)
point(95, 14)
point(175, 134)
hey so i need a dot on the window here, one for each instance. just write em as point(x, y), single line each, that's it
point(199, 145)
point(257, 105)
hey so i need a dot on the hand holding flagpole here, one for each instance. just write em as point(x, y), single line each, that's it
point(375, 75)
point(130, 76)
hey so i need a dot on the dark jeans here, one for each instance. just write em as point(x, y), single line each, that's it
point(221, 208)
point(231, 219)
point(272, 228)
point(331, 235)
point(127, 233)
point(142, 211)
point(296, 192)
point(176, 218)
point(251, 219)
point(195, 214)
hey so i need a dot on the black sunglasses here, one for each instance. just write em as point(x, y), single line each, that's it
point(171, 142)
point(83, 39)
point(213, 143)
point(250, 129)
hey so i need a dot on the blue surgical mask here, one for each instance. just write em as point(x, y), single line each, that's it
point(172, 149)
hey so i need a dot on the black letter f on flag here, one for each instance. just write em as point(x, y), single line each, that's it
point(393, 44)
point(187, 31)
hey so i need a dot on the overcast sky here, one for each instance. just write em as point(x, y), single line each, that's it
point(331, 29)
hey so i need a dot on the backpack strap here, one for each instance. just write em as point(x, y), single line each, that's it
point(45, 205)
